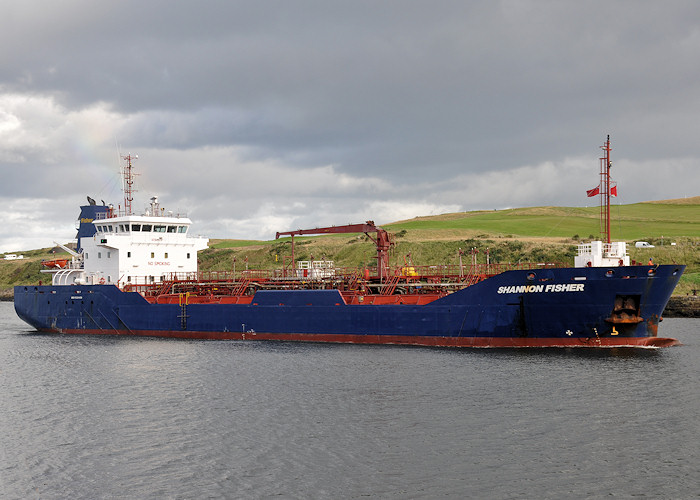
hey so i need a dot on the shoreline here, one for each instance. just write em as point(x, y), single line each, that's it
point(683, 306)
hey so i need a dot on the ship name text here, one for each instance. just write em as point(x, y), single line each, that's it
point(560, 287)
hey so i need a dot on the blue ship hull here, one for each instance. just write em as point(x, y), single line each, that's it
point(550, 307)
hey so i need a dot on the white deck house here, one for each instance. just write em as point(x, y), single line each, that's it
point(599, 254)
point(135, 249)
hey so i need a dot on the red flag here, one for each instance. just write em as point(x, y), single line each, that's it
point(593, 192)
point(613, 191)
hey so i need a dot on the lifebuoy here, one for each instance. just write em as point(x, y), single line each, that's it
point(102, 281)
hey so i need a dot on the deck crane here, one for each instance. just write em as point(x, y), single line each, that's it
point(382, 240)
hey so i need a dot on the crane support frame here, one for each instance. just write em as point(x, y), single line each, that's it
point(382, 240)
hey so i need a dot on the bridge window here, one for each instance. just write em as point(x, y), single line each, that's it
point(181, 229)
point(172, 229)
point(158, 229)
point(136, 227)
point(146, 228)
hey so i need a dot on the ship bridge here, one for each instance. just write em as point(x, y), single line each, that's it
point(141, 246)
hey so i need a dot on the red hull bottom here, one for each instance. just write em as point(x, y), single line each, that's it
point(396, 339)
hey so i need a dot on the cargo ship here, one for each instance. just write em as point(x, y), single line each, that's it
point(137, 275)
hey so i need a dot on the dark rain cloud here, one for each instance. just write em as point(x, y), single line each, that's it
point(414, 97)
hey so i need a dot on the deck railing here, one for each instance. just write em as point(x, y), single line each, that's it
point(228, 282)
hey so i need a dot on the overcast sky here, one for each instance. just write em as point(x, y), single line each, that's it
point(261, 116)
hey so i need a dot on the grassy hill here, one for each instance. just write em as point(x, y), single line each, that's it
point(535, 234)
point(639, 221)
point(525, 234)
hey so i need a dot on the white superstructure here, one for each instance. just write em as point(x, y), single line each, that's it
point(599, 254)
point(134, 249)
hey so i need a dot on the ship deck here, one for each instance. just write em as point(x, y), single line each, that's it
point(411, 285)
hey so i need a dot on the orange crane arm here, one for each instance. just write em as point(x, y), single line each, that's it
point(382, 240)
point(367, 227)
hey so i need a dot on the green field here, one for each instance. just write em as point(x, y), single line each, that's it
point(640, 221)
point(535, 234)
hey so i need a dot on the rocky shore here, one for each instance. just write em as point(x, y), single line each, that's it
point(683, 307)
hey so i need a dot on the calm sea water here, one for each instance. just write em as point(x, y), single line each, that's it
point(103, 417)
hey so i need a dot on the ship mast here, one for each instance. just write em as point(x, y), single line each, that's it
point(128, 173)
point(605, 166)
